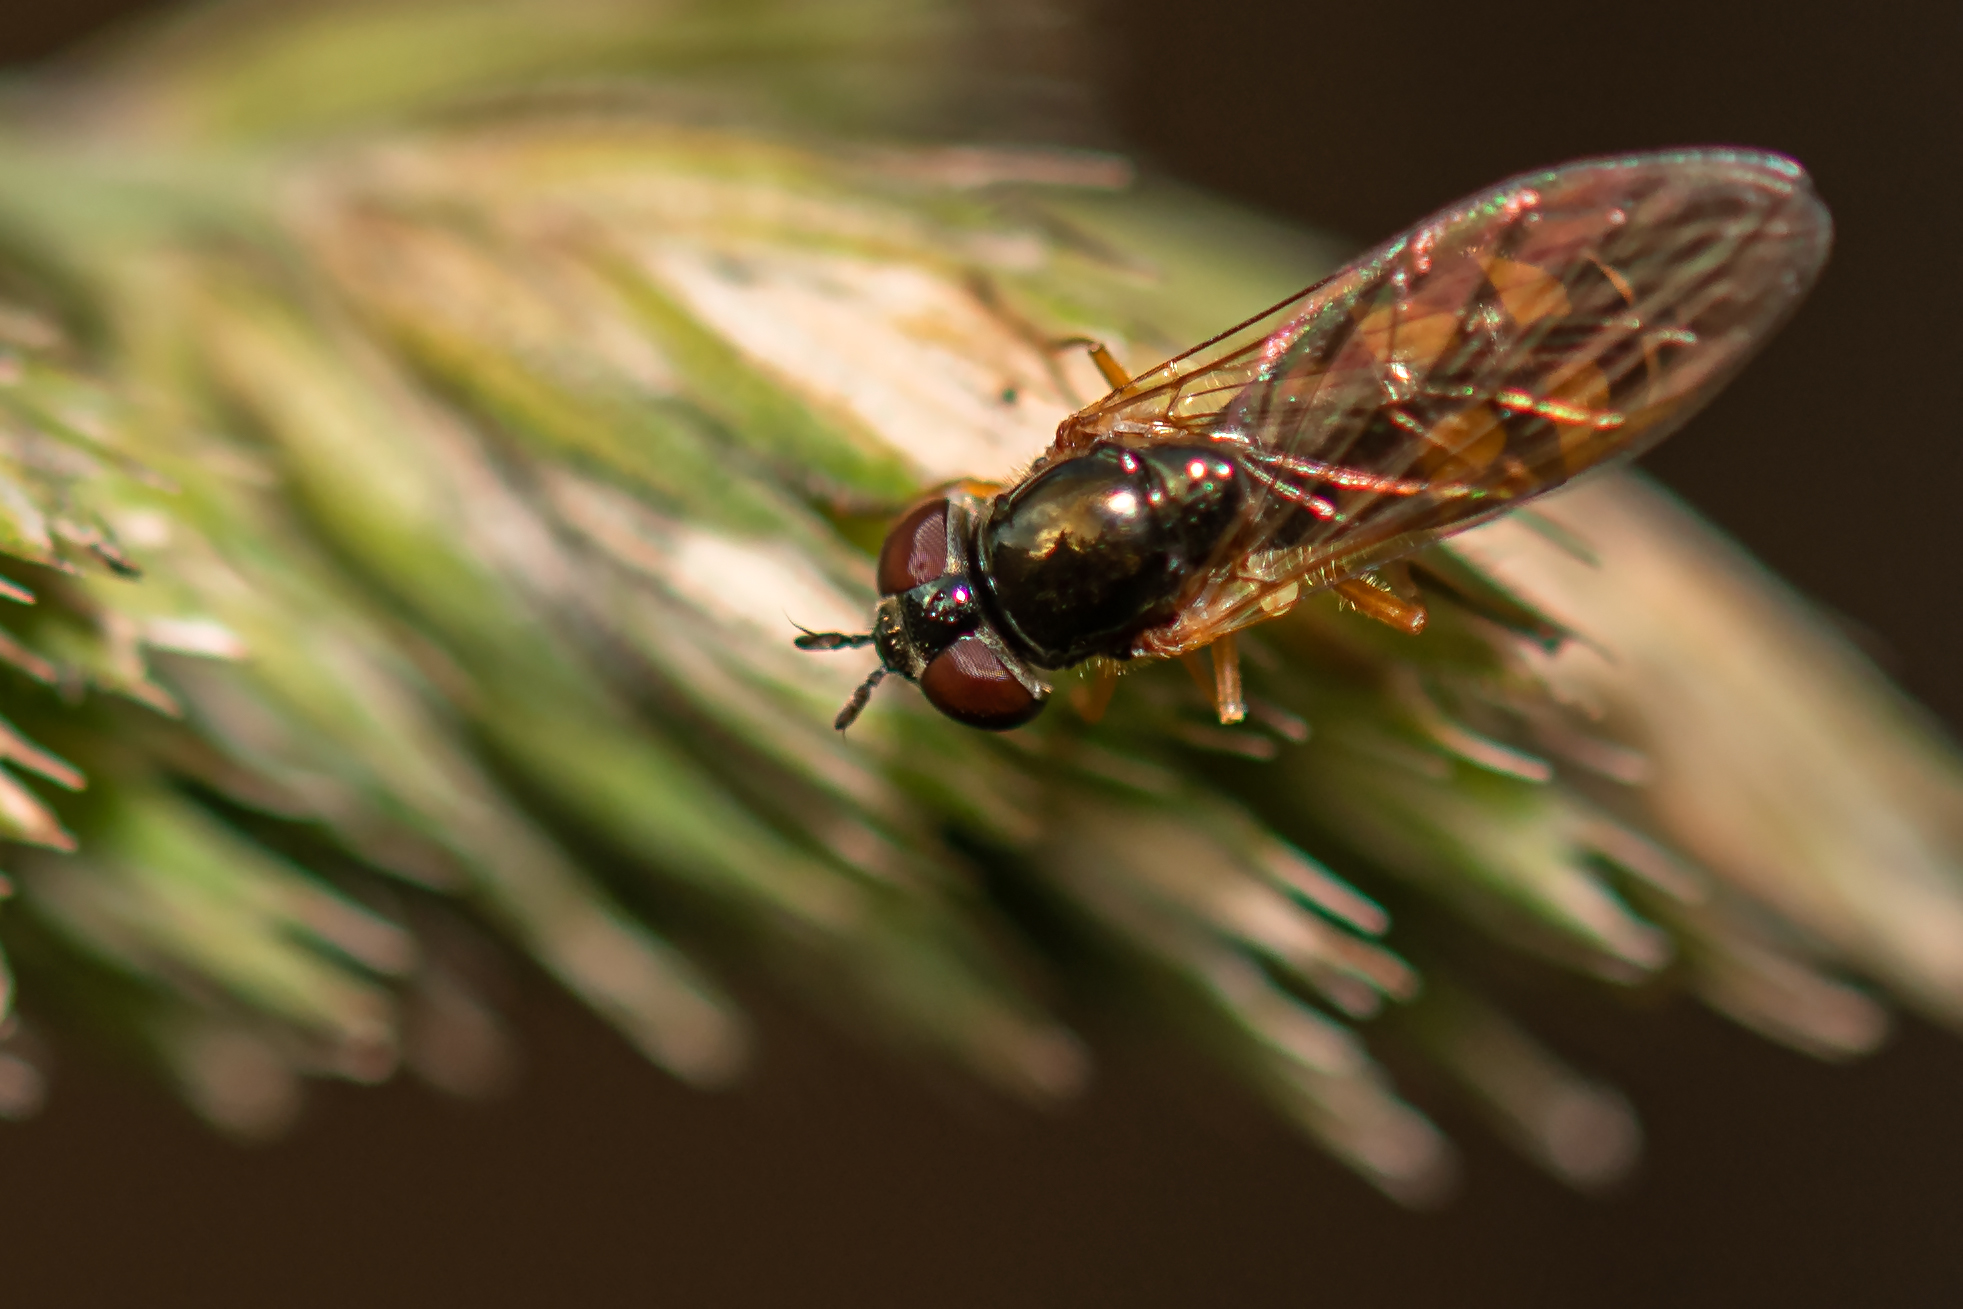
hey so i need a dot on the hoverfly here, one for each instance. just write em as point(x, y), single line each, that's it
point(1559, 323)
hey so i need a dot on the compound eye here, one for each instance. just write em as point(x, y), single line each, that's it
point(916, 549)
point(969, 684)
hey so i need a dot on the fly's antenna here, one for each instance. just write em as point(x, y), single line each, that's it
point(811, 640)
point(856, 705)
point(830, 640)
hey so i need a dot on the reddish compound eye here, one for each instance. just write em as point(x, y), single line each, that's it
point(969, 684)
point(916, 549)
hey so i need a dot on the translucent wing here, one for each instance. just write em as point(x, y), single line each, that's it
point(1560, 322)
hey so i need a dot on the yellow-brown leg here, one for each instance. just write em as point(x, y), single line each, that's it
point(990, 297)
point(1108, 367)
point(1407, 616)
point(1092, 696)
point(1107, 364)
point(1228, 701)
point(979, 489)
point(1197, 671)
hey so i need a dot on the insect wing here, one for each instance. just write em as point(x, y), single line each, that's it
point(1560, 322)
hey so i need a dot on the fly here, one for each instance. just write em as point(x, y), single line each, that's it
point(1557, 324)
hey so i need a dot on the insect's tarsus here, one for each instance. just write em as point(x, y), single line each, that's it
point(1108, 367)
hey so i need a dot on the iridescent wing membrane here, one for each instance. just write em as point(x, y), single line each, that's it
point(1560, 322)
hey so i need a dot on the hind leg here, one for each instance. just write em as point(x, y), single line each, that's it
point(1107, 363)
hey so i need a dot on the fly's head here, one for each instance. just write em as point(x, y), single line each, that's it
point(930, 627)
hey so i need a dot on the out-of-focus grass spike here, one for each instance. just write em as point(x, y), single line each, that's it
point(334, 431)
point(1784, 989)
point(165, 890)
point(1318, 1074)
point(1836, 810)
point(526, 694)
point(1197, 861)
point(1500, 847)
point(347, 740)
point(256, 71)
point(1579, 1129)
point(1206, 912)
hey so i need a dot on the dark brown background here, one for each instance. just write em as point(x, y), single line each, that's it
point(839, 1178)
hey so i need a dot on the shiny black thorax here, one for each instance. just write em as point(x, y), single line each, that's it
point(978, 598)
point(1083, 557)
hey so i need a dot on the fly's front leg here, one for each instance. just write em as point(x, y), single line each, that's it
point(855, 510)
point(1092, 696)
point(990, 297)
point(865, 521)
point(1107, 363)
point(977, 488)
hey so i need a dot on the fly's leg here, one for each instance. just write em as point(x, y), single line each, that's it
point(1392, 610)
point(1228, 701)
point(1090, 698)
point(989, 296)
point(1107, 363)
point(979, 489)
point(1196, 670)
point(866, 521)
point(1223, 686)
